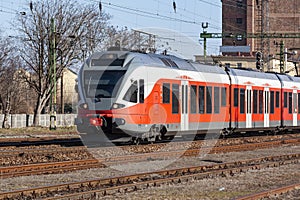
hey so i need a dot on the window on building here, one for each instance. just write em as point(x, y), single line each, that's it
point(239, 3)
point(239, 65)
point(239, 20)
point(227, 64)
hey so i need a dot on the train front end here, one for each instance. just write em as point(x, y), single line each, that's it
point(99, 81)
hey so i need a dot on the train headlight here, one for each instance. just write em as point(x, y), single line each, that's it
point(117, 106)
point(83, 105)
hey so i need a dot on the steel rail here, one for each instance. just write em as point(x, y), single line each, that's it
point(102, 187)
point(268, 193)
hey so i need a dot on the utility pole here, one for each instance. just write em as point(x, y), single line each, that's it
point(204, 26)
point(53, 76)
point(281, 56)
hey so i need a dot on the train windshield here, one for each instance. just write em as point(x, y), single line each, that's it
point(102, 84)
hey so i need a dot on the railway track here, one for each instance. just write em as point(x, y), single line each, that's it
point(34, 141)
point(195, 152)
point(101, 187)
point(49, 168)
point(67, 166)
point(269, 193)
point(41, 154)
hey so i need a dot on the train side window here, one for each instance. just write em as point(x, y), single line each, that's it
point(208, 99)
point(260, 101)
point(131, 94)
point(242, 100)
point(201, 99)
point(236, 97)
point(255, 101)
point(267, 101)
point(193, 99)
point(298, 102)
point(142, 91)
point(223, 96)
point(277, 99)
point(166, 92)
point(290, 102)
point(175, 101)
point(294, 102)
point(272, 102)
point(216, 100)
point(285, 102)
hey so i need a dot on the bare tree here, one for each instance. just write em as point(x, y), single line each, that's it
point(130, 39)
point(79, 28)
point(7, 69)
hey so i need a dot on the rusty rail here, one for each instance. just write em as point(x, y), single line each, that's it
point(102, 187)
point(48, 168)
point(269, 193)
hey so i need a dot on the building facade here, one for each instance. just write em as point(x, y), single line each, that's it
point(243, 17)
point(260, 16)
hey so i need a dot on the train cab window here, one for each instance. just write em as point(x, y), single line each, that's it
point(201, 99)
point(193, 99)
point(285, 102)
point(277, 99)
point(242, 100)
point(260, 101)
point(216, 100)
point(208, 99)
point(142, 91)
point(290, 102)
point(166, 92)
point(255, 92)
point(175, 101)
point(223, 96)
point(272, 102)
point(132, 93)
point(236, 97)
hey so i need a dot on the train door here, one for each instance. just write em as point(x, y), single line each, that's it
point(295, 102)
point(184, 106)
point(266, 107)
point(248, 106)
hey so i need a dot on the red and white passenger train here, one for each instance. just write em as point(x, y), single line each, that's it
point(131, 95)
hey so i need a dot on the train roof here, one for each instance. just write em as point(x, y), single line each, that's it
point(129, 58)
point(251, 73)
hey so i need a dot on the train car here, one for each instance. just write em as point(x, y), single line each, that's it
point(134, 95)
point(253, 100)
point(290, 103)
point(131, 96)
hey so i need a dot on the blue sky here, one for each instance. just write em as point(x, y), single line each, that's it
point(137, 14)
